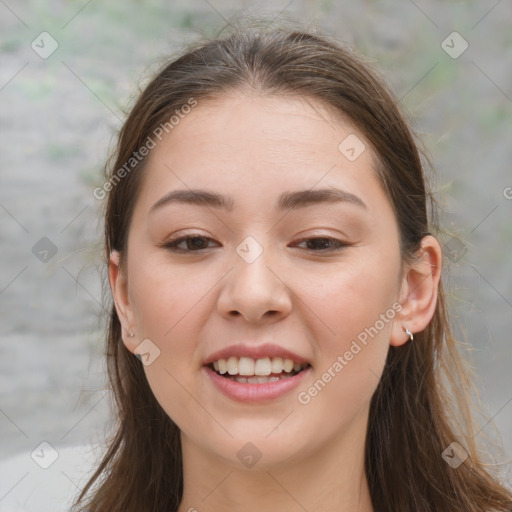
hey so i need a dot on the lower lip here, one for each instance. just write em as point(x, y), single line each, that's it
point(245, 392)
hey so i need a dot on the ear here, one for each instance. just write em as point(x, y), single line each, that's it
point(119, 288)
point(418, 294)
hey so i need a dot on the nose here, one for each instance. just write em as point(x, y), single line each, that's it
point(255, 291)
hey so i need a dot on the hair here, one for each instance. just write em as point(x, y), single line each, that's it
point(422, 402)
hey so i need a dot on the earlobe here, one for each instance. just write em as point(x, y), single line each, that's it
point(119, 289)
point(419, 292)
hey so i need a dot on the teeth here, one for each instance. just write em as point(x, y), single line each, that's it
point(256, 380)
point(262, 380)
point(277, 365)
point(288, 365)
point(232, 365)
point(247, 367)
point(263, 367)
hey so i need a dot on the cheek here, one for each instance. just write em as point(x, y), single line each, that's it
point(352, 314)
point(353, 298)
point(171, 304)
point(169, 308)
point(168, 301)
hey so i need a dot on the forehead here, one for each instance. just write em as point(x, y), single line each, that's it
point(273, 125)
point(254, 147)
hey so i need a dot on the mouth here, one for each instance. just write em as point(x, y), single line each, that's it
point(263, 370)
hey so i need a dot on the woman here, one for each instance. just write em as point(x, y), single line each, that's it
point(278, 337)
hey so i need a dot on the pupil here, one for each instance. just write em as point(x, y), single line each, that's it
point(319, 243)
point(193, 242)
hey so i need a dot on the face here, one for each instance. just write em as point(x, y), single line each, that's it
point(298, 260)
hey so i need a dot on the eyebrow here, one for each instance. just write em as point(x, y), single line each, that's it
point(286, 201)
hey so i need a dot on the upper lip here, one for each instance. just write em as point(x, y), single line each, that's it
point(254, 352)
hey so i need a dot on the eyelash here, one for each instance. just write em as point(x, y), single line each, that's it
point(172, 245)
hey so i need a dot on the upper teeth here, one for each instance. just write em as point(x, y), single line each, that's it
point(249, 366)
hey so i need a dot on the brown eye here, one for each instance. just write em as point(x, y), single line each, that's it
point(194, 243)
point(324, 244)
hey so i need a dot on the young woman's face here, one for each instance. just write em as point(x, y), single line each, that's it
point(294, 254)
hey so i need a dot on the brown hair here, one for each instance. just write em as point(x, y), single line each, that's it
point(424, 388)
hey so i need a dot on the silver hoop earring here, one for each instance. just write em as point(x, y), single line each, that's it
point(409, 333)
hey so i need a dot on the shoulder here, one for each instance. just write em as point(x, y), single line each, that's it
point(48, 478)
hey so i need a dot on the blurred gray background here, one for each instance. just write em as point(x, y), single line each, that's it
point(68, 71)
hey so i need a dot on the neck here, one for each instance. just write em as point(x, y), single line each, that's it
point(330, 479)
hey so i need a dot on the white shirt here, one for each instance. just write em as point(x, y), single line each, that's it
point(47, 479)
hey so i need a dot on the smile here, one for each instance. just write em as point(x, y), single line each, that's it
point(257, 371)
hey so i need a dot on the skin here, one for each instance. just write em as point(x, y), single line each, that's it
point(315, 303)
